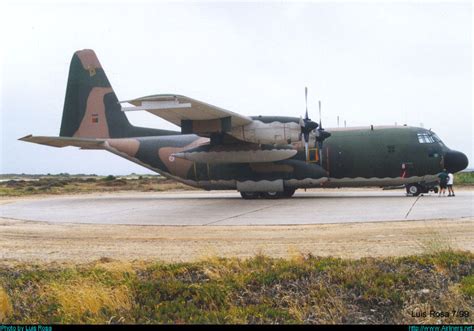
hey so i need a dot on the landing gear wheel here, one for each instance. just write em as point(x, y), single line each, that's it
point(271, 195)
point(414, 189)
point(249, 195)
point(288, 193)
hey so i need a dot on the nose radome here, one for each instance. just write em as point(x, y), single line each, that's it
point(455, 161)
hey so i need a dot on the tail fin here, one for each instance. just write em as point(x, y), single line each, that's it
point(91, 108)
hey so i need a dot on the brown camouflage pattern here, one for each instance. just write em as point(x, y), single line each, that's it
point(95, 109)
point(128, 146)
point(92, 118)
point(177, 166)
point(88, 59)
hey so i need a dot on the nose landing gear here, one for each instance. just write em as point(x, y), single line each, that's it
point(416, 189)
point(413, 189)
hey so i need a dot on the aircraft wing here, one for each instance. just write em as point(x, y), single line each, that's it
point(83, 143)
point(191, 115)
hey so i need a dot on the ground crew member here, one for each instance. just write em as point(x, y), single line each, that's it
point(443, 181)
point(450, 185)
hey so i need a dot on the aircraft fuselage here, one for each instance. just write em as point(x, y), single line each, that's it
point(367, 156)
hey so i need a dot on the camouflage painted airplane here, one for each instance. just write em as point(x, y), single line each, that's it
point(269, 156)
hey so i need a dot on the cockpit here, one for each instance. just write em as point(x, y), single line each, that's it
point(428, 137)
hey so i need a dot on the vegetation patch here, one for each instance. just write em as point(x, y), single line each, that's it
point(87, 301)
point(5, 305)
point(464, 178)
point(65, 184)
point(304, 289)
point(467, 286)
point(24, 185)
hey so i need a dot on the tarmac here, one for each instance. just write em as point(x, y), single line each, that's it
point(228, 208)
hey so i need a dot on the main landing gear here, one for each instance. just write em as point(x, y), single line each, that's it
point(416, 189)
point(287, 193)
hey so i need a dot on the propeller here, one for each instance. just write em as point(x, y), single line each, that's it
point(306, 124)
point(321, 134)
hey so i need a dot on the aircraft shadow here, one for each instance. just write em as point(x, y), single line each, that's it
point(296, 197)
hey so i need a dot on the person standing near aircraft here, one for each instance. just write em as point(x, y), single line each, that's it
point(450, 185)
point(443, 181)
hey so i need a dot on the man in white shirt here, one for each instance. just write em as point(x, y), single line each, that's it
point(450, 185)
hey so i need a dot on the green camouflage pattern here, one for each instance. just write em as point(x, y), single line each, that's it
point(365, 156)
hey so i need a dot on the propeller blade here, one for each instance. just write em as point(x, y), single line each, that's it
point(306, 150)
point(320, 124)
point(306, 100)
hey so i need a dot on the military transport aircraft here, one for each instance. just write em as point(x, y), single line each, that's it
point(260, 156)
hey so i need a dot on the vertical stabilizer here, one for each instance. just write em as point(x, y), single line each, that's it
point(91, 108)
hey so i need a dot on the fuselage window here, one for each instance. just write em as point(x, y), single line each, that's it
point(425, 138)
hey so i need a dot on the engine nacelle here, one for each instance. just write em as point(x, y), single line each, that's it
point(276, 133)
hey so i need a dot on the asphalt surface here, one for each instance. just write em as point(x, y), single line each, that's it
point(227, 208)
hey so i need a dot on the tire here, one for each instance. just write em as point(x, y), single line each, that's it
point(249, 195)
point(414, 189)
point(288, 193)
point(272, 195)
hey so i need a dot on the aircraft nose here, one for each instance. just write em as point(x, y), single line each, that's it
point(455, 161)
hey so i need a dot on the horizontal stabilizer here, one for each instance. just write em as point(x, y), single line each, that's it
point(248, 156)
point(83, 143)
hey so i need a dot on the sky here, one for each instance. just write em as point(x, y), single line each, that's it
point(376, 63)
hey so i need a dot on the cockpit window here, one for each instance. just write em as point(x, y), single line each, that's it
point(435, 137)
point(425, 138)
point(428, 137)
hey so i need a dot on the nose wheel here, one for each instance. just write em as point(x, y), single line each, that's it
point(416, 189)
point(413, 189)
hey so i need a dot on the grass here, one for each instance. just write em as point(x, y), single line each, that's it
point(467, 286)
point(464, 178)
point(87, 184)
point(5, 305)
point(304, 289)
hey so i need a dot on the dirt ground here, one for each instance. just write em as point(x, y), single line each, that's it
point(25, 241)
point(30, 241)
